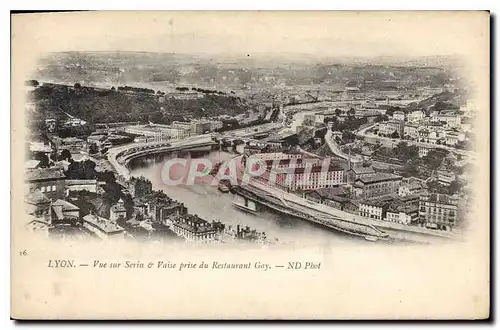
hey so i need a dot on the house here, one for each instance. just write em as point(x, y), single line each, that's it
point(411, 132)
point(402, 214)
point(415, 116)
point(438, 211)
point(337, 197)
point(118, 211)
point(193, 228)
point(412, 188)
point(452, 138)
point(37, 204)
point(62, 210)
point(102, 228)
point(49, 181)
point(445, 178)
point(422, 152)
point(375, 208)
point(398, 115)
point(160, 208)
point(392, 126)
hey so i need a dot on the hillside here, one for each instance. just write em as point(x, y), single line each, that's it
point(96, 105)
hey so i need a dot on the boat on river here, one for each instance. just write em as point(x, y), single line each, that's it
point(223, 188)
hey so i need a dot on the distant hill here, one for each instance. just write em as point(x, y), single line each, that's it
point(97, 105)
point(444, 101)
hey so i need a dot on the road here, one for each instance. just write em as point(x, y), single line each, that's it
point(336, 149)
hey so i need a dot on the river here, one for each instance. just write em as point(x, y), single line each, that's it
point(211, 204)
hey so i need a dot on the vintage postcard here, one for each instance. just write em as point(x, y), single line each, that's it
point(250, 165)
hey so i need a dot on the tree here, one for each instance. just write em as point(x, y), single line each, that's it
point(434, 158)
point(66, 155)
point(455, 187)
point(93, 149)
point(338, 112)
point(43, 158)
point(395, 135)
point(381, 118)
point(77, 85)
point(351, 112)
point(410, 169)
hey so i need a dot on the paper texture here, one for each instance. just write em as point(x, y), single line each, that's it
point(346, 278)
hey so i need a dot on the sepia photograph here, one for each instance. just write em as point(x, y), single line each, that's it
point(216, 162)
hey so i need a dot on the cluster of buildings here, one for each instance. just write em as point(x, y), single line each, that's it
point(447, 127)
point(47, 203)
point(176, 130)
point(359, 189)
point(50, 205)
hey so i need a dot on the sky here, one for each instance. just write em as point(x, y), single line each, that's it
point(362, 34)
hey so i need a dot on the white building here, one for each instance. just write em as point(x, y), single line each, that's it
point(398, 115)
point(411, 131)
point(415, 116)
point(102, 228)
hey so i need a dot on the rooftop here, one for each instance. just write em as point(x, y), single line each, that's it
point(442, 198)
point(102, 224)
point(31, 164)
point(379, 177)
point(402, 208)
point(363, 169)
point(66, 206)
point(37, 197)
point(38, 174)
point(330, 192)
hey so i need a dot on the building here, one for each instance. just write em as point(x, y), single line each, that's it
point(358, 171)
point(336, 197)
point(102, 227)
point(402, 214)
point(452, 138)
point(40, 147)
point(392, 126)
point(450, 118)
point(415, 116)
point(158, 132)
point(398, 115)
point(49, 181)
point(376, 185)
point(199, 127)
point(161, 208)
point(375, 208)
point(31, 164)
point(438, 211)
point(37, 204)
point(422, 151)
point(309, 177)
point(61, 211)
point(277, 156)
point(51, 124)
point(411, 188)
point(445, 178)
point(80, 185)
point(411, 132)
point(97, 139)
point(193, 228)
point(118, 211)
